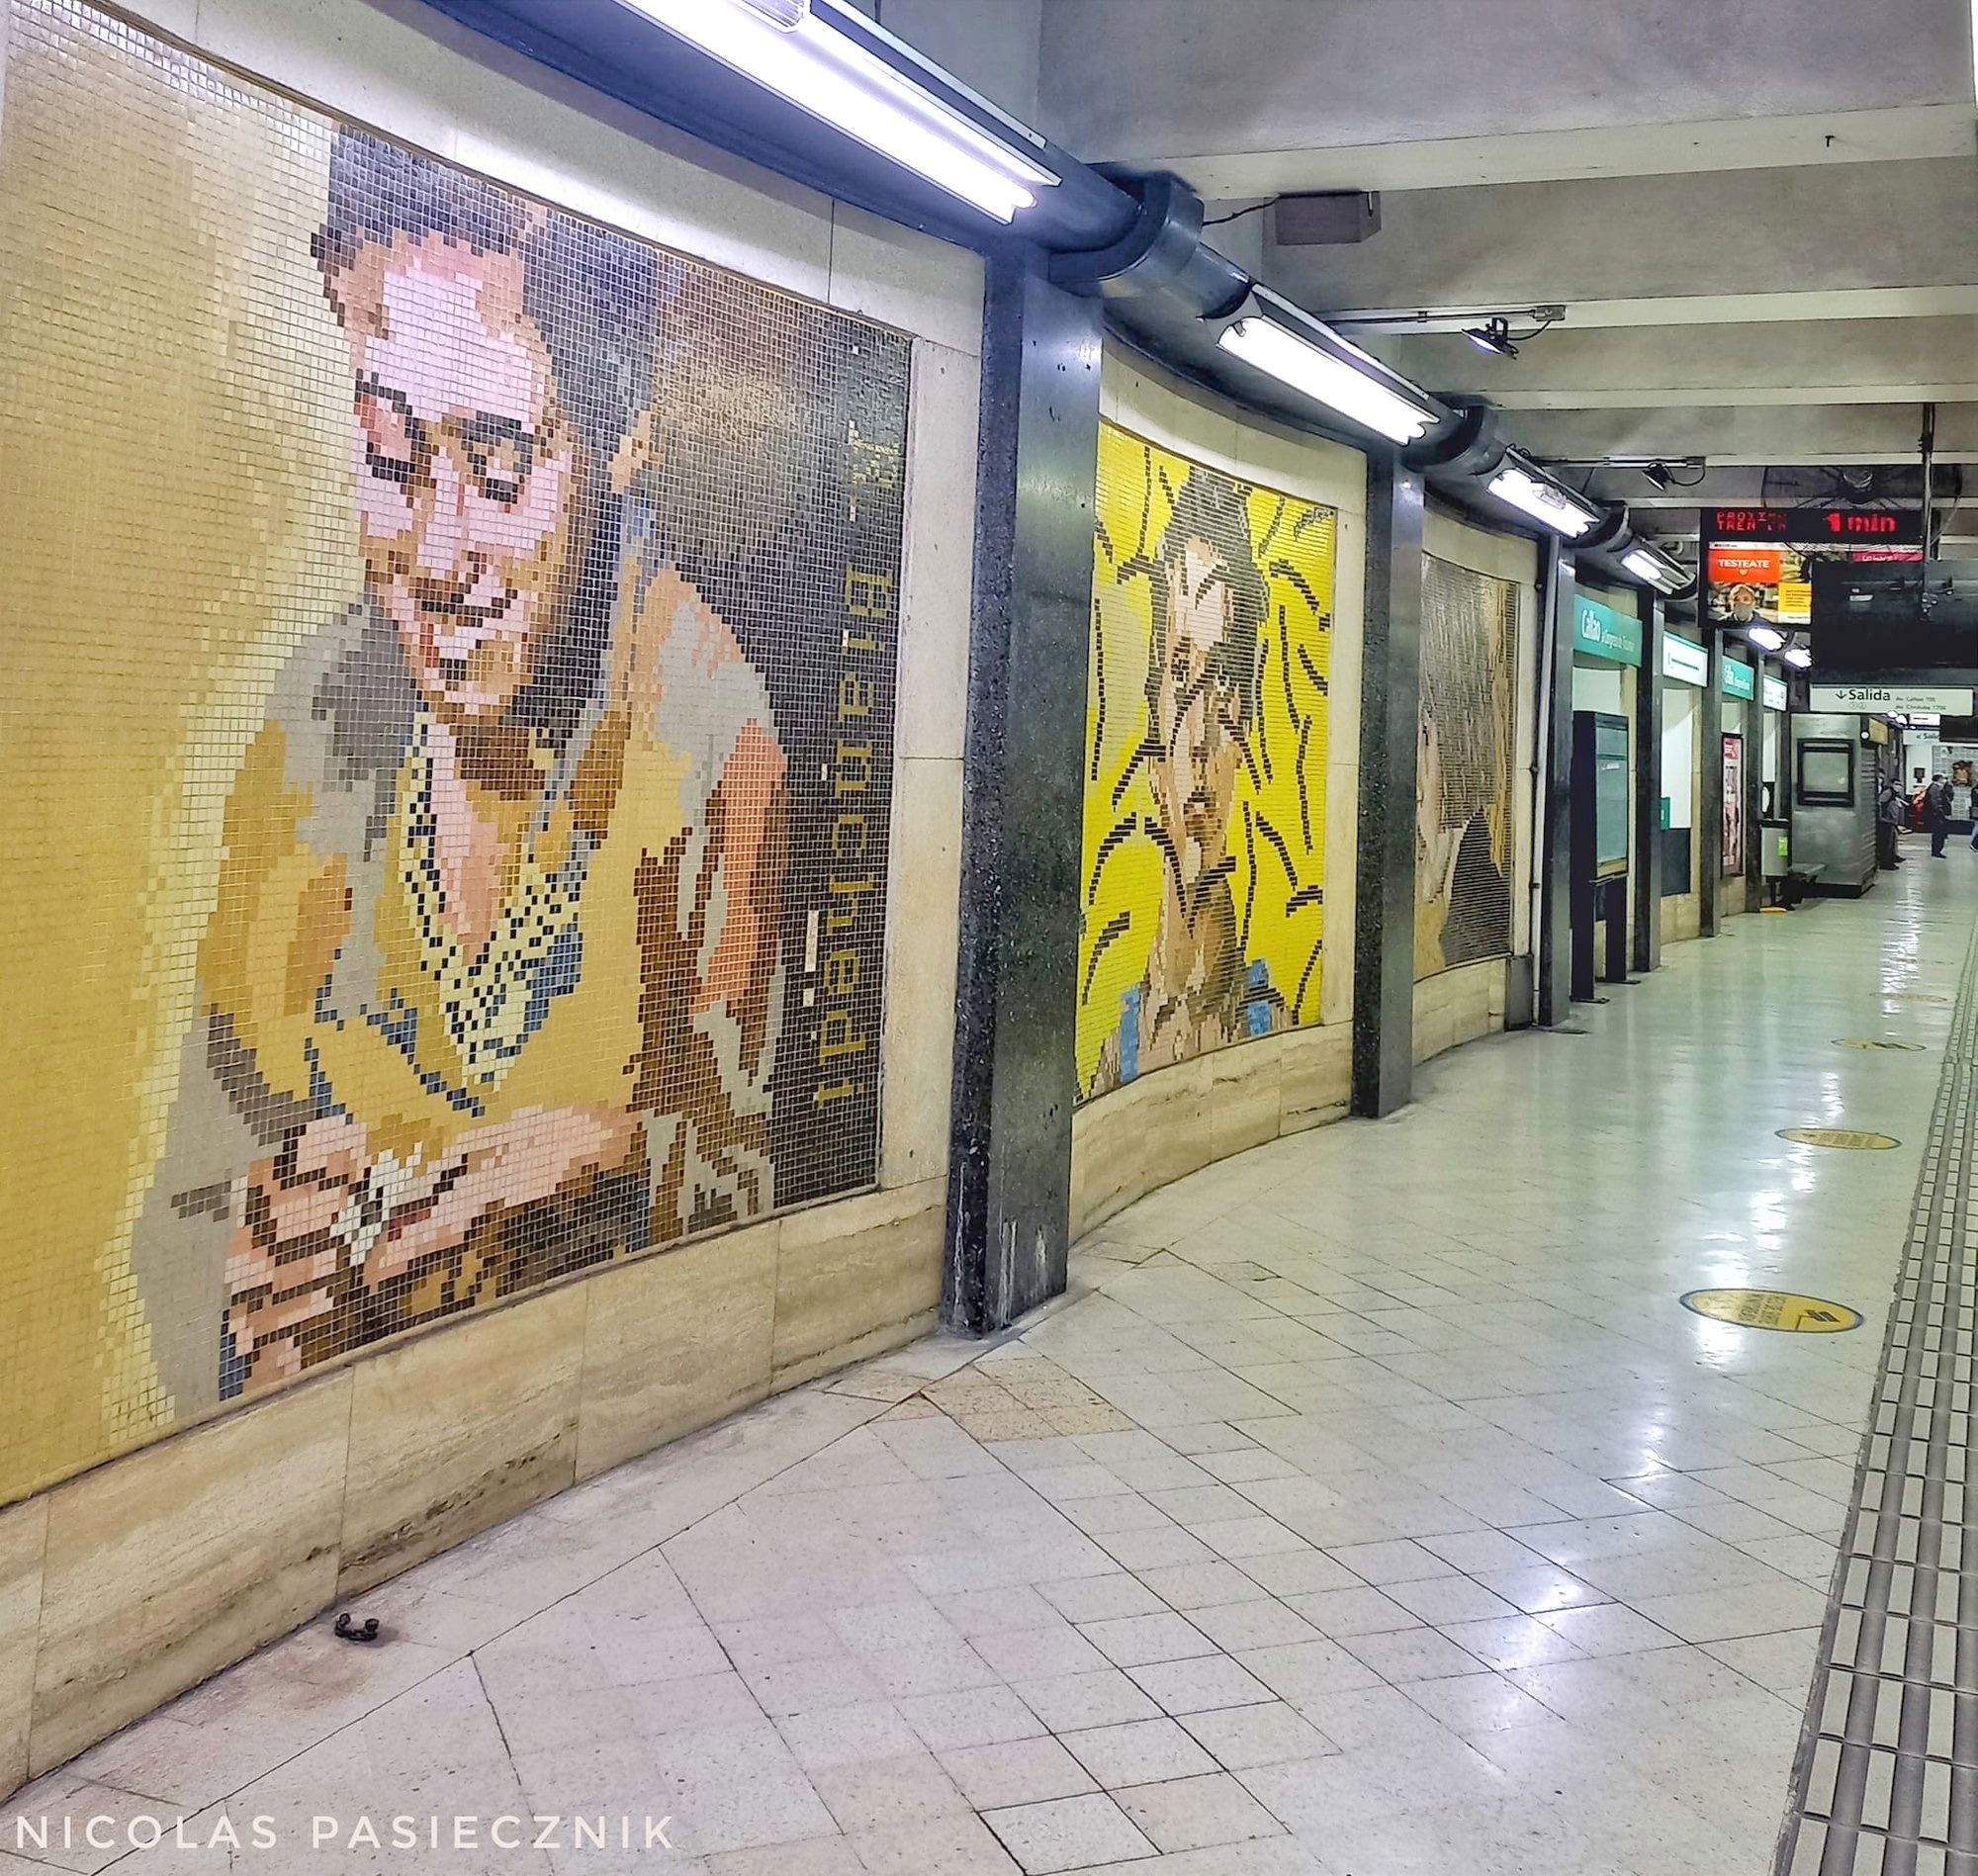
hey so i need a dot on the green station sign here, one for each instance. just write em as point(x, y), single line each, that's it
point(1598, 631)
point(1738, 679)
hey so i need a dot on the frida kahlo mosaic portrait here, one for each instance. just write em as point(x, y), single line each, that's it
point(542, 891)
point(1204, 775)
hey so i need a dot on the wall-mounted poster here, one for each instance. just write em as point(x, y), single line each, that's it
point(1463, 766)
point(1204, 868)
point(1734, 804)
point(449, 679)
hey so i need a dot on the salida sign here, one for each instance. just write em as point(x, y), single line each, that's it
point(1951, 701)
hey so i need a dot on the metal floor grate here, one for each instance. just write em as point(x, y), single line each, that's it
point(1886, 1782)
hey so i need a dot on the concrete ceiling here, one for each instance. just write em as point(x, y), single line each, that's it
point(1762, 216)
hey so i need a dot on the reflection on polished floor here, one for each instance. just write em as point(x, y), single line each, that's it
point(1371, 1507)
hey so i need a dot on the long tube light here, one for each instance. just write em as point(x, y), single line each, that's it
point(1543, 500)
point(1764, 637)
point(1648, 563)
point(829, 74)
point(1327, 378)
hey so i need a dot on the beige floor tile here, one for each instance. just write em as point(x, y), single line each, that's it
point(889, 1794)
point(1192, 1586)
point(957, 1846)
point(1199, 1685)
point(1261, 1624)
point(1016, 1772)
point(1300, 1672)
point(1398, 1560)
point(1339, 1613)
point(1074, 1701)
point(820, 1856)
point(1067, 1833)
point(1196, 1814)
point(1108, 1598)
point(1139, 1752)
point(1406, 1655)
point(1781, 1661)
point(1608, 1628)
point(985, 1716)
point(1731, 1614)
point(1134, 1640)
point(1241, 1738)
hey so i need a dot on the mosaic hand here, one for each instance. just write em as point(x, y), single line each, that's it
point(500, 1168)
point(288, 1251)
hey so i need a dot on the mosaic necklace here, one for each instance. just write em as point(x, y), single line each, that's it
point(494, 1001)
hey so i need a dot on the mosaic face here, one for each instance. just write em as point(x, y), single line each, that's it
point(1463, 767)
point(511, 860)
point(466, 475)
point(1205, 823)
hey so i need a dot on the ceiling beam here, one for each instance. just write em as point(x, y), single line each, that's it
point(1724, 308)
point(1596, 151)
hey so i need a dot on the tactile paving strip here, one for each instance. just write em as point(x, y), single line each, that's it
point(1886, 1783)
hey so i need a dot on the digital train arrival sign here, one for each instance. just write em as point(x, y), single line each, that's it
point(1867, 527)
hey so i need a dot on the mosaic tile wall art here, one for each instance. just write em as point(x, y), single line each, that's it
point(1204, 869)
point(1463, 774)
point(446, 703)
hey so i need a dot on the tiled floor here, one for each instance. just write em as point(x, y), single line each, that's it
point(1370, 1508)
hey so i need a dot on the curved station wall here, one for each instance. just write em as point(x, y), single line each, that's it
point(488, 655)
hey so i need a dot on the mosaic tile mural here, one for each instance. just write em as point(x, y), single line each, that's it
point(1204, 868)
point(446, 705)
point(1463, 775)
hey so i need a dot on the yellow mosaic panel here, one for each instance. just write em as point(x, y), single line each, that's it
point(1204, 864)
point(446, 688)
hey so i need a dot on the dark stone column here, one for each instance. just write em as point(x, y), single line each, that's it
point(1383, 894)
point(1556, 575)
point(1015, 1080)
point(1709, 831)
point(1647, 953)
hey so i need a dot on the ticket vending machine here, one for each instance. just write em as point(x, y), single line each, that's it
point(1602, 822)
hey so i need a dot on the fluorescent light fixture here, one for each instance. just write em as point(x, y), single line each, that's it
point(1799, 657)
point(1325, 378)
point(1646, 563)
point(1543, 500)
point(788, 50)
point(1764, 637)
